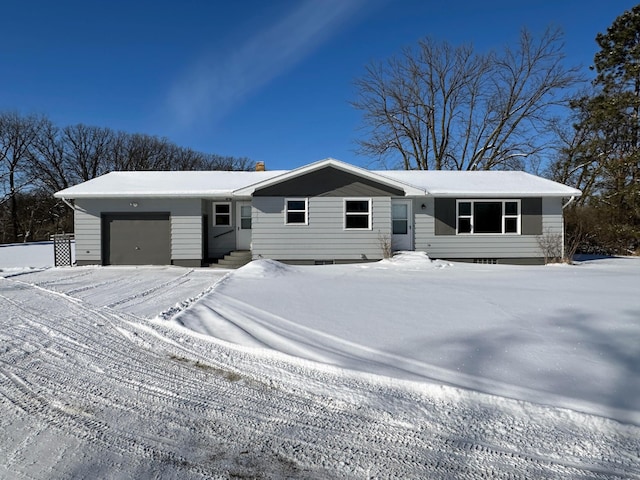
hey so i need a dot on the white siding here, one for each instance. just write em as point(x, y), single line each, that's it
point(186, 225)
point(324, 238)
point(186, 237)
point(87, 228)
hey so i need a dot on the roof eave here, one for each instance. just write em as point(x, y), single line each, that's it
point(469, 194)
point(201, 195)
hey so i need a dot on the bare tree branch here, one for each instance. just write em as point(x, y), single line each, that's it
point(442, 107)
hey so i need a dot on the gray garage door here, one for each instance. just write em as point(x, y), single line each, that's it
point(136, 239)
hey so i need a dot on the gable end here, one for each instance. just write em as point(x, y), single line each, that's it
point(328, 182)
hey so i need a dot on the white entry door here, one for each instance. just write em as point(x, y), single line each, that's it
point(243, 225)
point(401, 225)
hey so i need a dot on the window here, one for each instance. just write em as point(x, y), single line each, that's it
point(296, 211)
point(488, 217)
point(464, 217)
point(245, 217)
point(399, 218)
point(221, 214)
point(357, 214)
point(511, 217)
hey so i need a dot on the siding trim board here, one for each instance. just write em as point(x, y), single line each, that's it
point(531, 216)
point(445, 216)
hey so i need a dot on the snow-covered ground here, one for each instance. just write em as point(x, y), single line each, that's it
point(398, 369)
point(562, 335)
point(21, 256)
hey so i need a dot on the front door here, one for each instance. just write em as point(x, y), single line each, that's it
point(401, 225)
point(243, 225)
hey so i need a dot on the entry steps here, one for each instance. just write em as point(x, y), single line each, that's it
point(235, 259)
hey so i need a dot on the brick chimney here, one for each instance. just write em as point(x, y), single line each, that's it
point(260, 167)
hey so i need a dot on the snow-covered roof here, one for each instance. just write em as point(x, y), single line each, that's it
point(166, 184)
point(209, 184)
point(441, 183)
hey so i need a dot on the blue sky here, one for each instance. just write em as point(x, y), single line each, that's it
point(269, 80)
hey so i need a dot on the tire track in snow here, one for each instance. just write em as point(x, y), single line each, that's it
point(144, 293)
point(170, 402)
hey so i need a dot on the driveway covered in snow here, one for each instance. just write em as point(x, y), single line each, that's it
point(91, 388)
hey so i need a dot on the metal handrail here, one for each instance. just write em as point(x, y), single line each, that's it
point(223, 233)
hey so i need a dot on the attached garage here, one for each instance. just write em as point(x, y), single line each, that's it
point(136, 238)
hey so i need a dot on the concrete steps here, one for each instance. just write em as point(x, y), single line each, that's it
point(235, 259)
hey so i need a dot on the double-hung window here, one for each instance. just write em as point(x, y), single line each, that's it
point(222, 214)
point(357, 214)
point(296, 211)
point(488, 217)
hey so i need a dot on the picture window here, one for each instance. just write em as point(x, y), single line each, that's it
point(488, 216)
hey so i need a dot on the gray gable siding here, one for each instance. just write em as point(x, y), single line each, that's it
point(328, 182)
point(324, 238)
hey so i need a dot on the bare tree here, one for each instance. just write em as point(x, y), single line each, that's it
point(48, 160)
point(144, 152)
point(443, 107)
point(219, 162)
point(602, 157)
point(17, 137)
point(87, 150)
point(37, 158)
point(576, 163)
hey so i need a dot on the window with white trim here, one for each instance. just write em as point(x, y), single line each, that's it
point(222, 214)
point(357, 213)
point(488, 217)
point(296, 211)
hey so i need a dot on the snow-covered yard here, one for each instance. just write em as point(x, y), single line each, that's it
point(397, 369)
point(562, 335)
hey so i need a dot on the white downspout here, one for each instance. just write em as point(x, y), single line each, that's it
point(571, 199)
point(569, 202)
point(72, 206)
